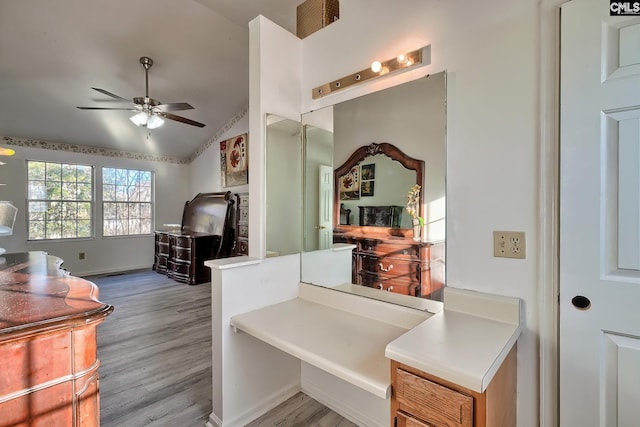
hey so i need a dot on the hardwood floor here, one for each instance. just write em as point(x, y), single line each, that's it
point(155, 352)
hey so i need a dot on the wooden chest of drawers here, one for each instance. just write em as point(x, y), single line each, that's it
point(242, 225)
point(161, 256)
point(48, 358)
point(394, 264)
point(187, 254)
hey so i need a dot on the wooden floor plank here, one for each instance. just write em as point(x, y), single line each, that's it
point(155, 352)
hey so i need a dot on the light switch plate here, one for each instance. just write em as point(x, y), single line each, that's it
point(509, 244)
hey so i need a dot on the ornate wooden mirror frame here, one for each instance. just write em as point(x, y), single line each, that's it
point(361, 154)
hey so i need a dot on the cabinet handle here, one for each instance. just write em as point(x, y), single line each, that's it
point(381, 267)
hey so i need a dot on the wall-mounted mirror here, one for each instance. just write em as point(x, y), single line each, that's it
point(283, 186)
point(389, 132)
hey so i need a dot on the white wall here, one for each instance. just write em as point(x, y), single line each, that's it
point(204, 170)
point(249, 376)
point(490, 50)
point(102, 255)
point(274, 88)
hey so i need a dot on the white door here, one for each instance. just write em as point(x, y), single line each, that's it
point(325, 224)
point(599, 217)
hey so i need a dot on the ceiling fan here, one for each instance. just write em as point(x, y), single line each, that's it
point(149, 111)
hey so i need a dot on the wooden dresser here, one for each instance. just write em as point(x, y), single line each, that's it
point(187, 254)
point(394, 263)
point(207, 232)
point(242, 225)
point(48, 359)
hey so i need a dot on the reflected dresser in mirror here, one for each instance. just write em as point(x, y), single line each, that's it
point(386, 255)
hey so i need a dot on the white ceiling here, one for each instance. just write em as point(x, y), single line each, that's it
point(53, 52)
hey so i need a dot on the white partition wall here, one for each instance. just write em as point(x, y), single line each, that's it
point(242, 388)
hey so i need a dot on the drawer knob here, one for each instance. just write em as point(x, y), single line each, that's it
point(382, 268)
point(390, 288)
point(380, 286)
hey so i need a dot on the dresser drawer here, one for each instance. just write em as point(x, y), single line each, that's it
point(388, 283)
point(162, 238)
point(406, 420)
point(431, 402)
point(162, 248)
point(178, 267)
point(243, 230)
point(243, 199)
point(181, 241)
point(181, 254)
point(243, 247)
point(398, 267)
point(243, 213)
point(400, 250)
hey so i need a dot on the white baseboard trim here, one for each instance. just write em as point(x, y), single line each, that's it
point(213, 421)
point(256, 411)
point(341, 406)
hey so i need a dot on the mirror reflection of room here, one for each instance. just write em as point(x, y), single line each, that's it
point(370, 193)
point(283, 186)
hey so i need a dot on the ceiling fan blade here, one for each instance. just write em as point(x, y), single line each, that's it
point(174, 106)
point(180, 119)
point(113, 95)
point(106, 108)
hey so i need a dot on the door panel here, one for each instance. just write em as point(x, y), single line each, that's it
point(325, 190)
point(599, 217)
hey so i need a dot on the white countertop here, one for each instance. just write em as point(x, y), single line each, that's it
point(465, 343)
point(347, 345)
point(462, 347)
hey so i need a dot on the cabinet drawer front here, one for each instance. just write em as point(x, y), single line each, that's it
point(180, 253)
point(179, 268)
point(243, 230)
point(243, 247)
point(432, 402)
point(182, 241)
point(406, 420)
point(163, 248)
point(243, 200)
point(388, 284)
point(400, 250)
point(162, 237)
point(243, 214)
point(400, 268)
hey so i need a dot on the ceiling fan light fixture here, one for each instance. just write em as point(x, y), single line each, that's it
point(154, 122)
point(139, 119)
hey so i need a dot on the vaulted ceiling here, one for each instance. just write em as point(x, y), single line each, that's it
point(53, 52)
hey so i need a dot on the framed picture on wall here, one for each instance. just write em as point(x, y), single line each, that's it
point(366, 188)
point(350, 185)
point(368, 172)
point(234, 161)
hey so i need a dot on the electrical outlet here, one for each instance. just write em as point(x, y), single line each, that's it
point(509, 244)
point(80, 255)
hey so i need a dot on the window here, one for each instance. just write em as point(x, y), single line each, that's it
point(59, 200)
point(126, 202)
